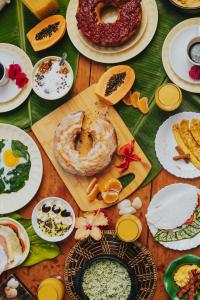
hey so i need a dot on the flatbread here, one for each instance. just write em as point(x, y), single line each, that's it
point(195, 130)
point(172, 206)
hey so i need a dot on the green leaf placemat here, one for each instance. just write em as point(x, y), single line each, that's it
point(15, 21)
point(40, 250)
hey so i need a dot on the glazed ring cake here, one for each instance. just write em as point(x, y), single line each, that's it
point(104, 145)
point(109, 34)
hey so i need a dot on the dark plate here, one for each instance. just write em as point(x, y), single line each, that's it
point(79, 276)
point(189, 10)
point(23, 293)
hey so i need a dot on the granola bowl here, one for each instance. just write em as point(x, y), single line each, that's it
point(52, 80)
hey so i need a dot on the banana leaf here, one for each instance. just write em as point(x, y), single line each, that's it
point(40, 250)
point(15, 21)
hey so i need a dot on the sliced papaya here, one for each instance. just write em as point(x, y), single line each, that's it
point(115, 83)
point(47, 33)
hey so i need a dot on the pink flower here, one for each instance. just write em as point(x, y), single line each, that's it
point(13, 71)
point(195, 72)
point(21, 80)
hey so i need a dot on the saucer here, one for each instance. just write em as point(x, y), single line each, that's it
point(10, 90)
point(178, 53)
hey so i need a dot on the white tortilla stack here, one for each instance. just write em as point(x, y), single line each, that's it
point(172, 206)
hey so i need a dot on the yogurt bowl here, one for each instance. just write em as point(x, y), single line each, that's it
point(50, 80)
point(53, 219)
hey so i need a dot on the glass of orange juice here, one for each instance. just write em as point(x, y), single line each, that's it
point(128, 228)
point(51, 289)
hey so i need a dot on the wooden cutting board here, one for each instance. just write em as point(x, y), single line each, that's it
point(87, 101)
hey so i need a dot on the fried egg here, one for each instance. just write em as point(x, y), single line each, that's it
point(8, 160)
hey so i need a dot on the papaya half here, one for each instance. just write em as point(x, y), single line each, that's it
point(115, 83)
point(47, 33)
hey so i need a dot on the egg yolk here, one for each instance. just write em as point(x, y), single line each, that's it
point(10, 160)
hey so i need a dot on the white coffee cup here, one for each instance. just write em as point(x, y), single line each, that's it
point(5, 77)
point(194, 41)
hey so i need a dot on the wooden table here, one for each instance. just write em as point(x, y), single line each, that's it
point(88, 73)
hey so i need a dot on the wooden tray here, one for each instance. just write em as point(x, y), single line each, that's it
point(77, 185)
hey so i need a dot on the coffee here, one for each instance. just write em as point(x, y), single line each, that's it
point(194, 53)
point(2, 71)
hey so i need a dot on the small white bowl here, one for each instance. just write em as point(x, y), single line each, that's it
point(40, 232)
point(52, 96)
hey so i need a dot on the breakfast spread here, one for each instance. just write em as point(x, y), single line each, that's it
point(104, 145)
point(109, 34)
point(187, 136)
point(15, 165)
point(93, 147)
point(114, 278)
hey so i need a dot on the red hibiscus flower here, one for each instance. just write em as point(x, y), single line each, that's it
point(195, 72)
point(13, 71)
point(21, 80)
point(127, 152)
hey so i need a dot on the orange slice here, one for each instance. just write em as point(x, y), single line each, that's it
point(110, 197)
point(127, 99)
point(134, 99)
point(94, 192)
point(113, 185)
point(143, 105)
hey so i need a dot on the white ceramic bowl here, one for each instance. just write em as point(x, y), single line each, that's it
point(50, 96)
point(40, 232)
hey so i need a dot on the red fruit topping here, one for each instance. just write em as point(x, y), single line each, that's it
point(21, 80)
point(13, 71)
point(195, 72)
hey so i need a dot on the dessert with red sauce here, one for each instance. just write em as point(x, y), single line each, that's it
point(109, 34)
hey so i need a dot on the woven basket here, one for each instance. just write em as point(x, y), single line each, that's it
point(137, 257)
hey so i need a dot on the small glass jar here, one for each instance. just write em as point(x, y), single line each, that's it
point(128, 228)
point(51, 289)
point(168, 97)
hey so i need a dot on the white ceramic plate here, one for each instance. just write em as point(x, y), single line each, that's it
point(122, 53)
point(178, 53)
point(170, 191)
point(22, 234)
point(16, 200)
point(40, 232)
point(40, 92)
point(165, 144)
point(10, 90)
point(25, 62)
point(185, 85)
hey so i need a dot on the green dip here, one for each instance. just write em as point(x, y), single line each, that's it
point(106, 280)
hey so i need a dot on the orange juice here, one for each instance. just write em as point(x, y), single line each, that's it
point(51, 289)
point(128, 228)
point(168, 97)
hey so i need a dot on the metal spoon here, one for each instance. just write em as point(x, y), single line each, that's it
point(62, 61)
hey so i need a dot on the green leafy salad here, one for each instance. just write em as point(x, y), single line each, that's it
point(106, 280)
point(15, 165)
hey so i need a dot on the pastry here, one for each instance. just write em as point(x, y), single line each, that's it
point(104, 145)
point(109, 34)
